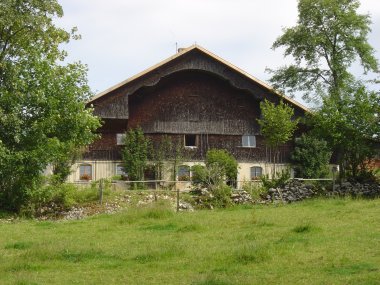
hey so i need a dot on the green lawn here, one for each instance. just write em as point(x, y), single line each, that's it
point(313, 242)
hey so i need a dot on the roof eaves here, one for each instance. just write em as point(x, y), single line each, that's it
point(262, 83)
point(142, 73)
point(181, 52)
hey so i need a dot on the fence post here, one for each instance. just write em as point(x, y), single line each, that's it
point(101, 191)
point(334, 170)
point(155, 190)
point(177, 199)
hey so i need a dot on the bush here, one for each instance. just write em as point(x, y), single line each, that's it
point(279, 182)
point(52, 198)
point(366, 175)
point(222, 196)
point(254, 189)
point(199, 175)
point(311, 157)
point(225, 161)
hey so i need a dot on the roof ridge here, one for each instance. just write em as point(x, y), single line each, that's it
point(209, 53)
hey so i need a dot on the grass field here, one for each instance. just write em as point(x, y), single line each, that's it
point(313, 242)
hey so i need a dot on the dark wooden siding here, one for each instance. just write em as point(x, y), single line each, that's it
point(194, 102)
point(192, 94)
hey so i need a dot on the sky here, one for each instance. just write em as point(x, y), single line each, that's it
point(121, 38)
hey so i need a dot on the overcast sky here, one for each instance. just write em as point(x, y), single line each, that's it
point(123, 37)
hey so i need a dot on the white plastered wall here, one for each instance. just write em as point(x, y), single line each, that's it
point(107, 169)
point(100, 169)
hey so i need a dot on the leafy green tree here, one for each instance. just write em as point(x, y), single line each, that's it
point(351, 128)
point(220, 165)
point(42, 99)
point(135, 154)
point(311, 157)
point(223, 161)
point(277, 126)
point(159, 153)
point(329, 37)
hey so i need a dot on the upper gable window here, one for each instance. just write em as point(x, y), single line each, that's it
point(120, 139)
point(191, 141)
point(248, 141)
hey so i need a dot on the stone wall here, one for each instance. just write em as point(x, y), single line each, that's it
point(296, 191)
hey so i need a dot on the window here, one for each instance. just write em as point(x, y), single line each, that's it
point(85, 172)
point(191, 141)
point(120, 170)
point(256, 172)
point(120, 139)
point(183, 173)
point(248, 141)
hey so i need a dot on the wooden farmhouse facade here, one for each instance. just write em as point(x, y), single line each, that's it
point(196, 99)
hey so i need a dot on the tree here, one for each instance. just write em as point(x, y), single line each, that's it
point(135, 154)
point(329, 37)
point(277, 125)
point(311, 157)
point(42, 99)
point(220, 165)
point(158, 153)
point(351, 128)
point(221, 159)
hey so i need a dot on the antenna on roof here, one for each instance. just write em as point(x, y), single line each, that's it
point(176, 47)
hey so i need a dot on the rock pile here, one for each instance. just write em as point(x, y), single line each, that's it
point(203, 196)
point(293, 191)
point(184, 206)
point(75, 213)
point(241, 197)
point(366, 190)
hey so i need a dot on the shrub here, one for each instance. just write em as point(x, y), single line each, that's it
point(222, 196)
point(51, 198)
point(311, 157)
point(254, 189)
point(365, 175)
point(226, 162)
point(199, 175)
point(278, 182)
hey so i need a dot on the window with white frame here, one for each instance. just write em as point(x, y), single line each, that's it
point(248, 141)
point(120, 139)
point(85, 172)
point(256, 172)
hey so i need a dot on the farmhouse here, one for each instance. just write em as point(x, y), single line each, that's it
point(195, 98)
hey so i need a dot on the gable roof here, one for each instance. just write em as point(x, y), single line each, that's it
point(184, 51)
